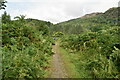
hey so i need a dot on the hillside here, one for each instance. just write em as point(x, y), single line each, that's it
point(37, 22)
point(31, 52)
point(91, 15)
point(90, 22)
point(40, 25)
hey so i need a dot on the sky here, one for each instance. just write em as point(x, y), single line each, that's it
point(57, 11)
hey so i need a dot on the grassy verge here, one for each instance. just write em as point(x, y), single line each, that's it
point(69, 66)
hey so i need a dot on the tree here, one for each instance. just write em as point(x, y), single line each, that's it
point(21, 18)
point(2, 4)
point(6, 18)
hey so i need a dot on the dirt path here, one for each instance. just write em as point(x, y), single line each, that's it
point(58, 70)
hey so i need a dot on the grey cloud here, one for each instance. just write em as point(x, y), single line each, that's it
point(59, 10)
point(74, 9)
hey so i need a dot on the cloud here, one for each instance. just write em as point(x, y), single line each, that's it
point(57, 10)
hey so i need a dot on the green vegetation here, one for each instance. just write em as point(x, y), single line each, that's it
point(25, 51)
point(96, 50)
point(91, 46)
point(95, 54)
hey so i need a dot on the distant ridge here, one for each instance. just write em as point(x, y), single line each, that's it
point(112, 12)
point(90, 22)
point(91, 15)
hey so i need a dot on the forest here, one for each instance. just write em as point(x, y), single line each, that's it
point(91, 43)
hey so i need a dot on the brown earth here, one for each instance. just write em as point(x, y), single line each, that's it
point(57, 69)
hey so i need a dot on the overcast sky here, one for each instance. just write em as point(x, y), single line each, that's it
point(57, 10)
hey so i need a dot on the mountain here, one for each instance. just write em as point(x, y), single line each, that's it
point(90, 22)
point(112, 12)
point(91, 15)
